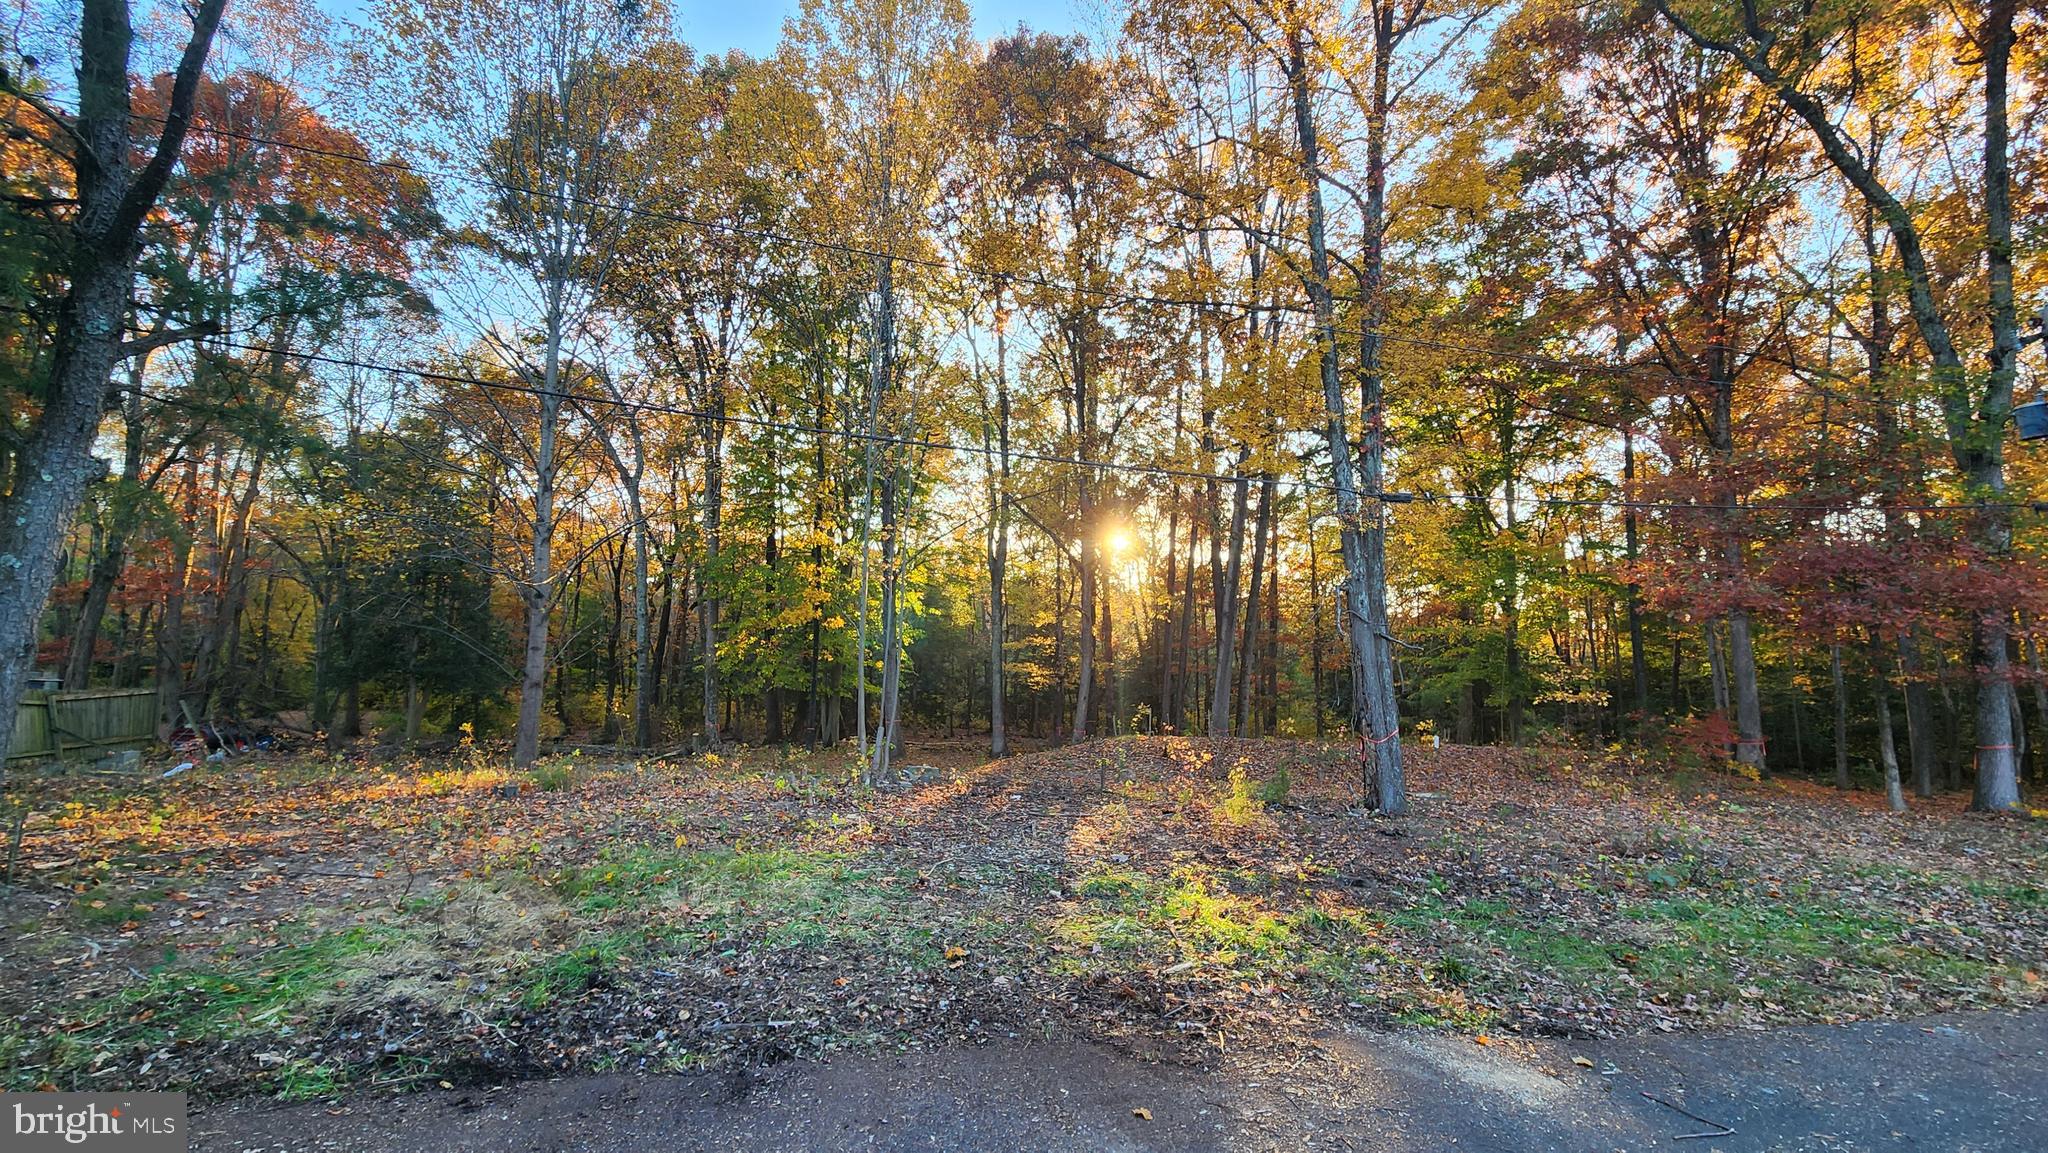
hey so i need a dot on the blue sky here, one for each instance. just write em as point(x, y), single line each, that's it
point(753, 26)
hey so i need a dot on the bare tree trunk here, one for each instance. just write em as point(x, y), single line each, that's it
point(1841, 717)
point(1638, 659)
point(1226, 614)
point(1248, 646)
point(1084, 408)
point(170, 629)
point(1717, 666)
point(643, 652)
point(2033, 650)
point(1997, 787)
point(1887, 745)
point(113, 559)
point(1375, 707)
point(539, 593)
point(1749, 717)
point(1922, 742)
point(707, 581)
point(999, 552)
point(886, 735)
point(892, 647)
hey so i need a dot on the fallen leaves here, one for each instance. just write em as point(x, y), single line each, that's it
point(1518, 899)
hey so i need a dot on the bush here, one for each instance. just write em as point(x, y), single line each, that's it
point(553, 774)
point(1276, 787)
point(1243, 805)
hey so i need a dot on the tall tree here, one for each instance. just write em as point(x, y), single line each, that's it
point(1795, 54)
point(536, 99)
point(102, 235)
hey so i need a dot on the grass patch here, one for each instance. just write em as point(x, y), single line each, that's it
point(776, 898)
point(553, 774)
point(578, 970)
point(179, 1002)
point(1192, 916)
point(302, 1080)
point(1708, 949)
point(104, 911)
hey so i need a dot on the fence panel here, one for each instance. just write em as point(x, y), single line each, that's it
point(83, 722)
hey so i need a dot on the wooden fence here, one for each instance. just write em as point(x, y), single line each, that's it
point(82, 722)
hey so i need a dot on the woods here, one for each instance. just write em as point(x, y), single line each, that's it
point(1466, 371)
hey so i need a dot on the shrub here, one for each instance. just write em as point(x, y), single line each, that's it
point(1243, 805)
point(553, 774)
point(1276, 787)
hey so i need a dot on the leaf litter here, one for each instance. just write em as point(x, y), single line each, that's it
point(299, 926)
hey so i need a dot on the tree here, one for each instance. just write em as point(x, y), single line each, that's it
point(536, 99)
point(1795, 56)
point(881, 68)
point(102, 235)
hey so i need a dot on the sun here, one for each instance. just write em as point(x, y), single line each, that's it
point(1118, 540)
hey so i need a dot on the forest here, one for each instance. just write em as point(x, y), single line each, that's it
point(1419, 373)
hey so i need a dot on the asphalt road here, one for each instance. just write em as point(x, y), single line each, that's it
point(1967, 1083)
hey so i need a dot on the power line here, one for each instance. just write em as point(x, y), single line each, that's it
point(795, 239)
point(784, 237)
point(1385, 497)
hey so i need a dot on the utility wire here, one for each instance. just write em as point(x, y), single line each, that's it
point(1155, 471)
point(796, 239)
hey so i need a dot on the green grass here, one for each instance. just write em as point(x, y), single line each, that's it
point(302, 1080)
point(579, 969)
point(102, 910)
point(1191, 915)
point(1806, 950)
point(1495, 925)
point(553, 775)
point(214, 998)
point(778, 898)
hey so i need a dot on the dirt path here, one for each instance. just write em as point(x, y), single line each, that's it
point(1975, 1083)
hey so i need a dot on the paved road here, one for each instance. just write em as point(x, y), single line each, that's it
point(1974, 1083)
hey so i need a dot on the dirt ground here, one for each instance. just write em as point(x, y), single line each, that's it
point(300, 928)
point(1967, 1083)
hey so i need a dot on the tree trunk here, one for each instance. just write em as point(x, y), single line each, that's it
point(54, 463)
point(170, 629)
point(538, 594)
point(1717, 667)
point(1841, 717)
point(999, 553)
point(643, 653)
point(113, 558)
point(1226, 613)
point(1375, 707)
point(1248, 646)
point(1639, 664)
point(1922, 742)
point(1887, 747)
point(708, 579)
point(415, 709)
